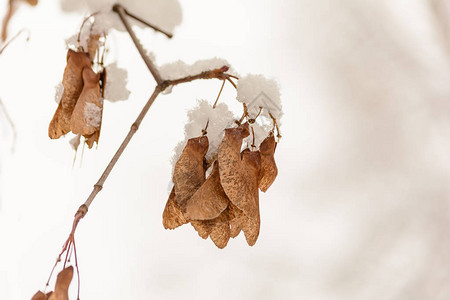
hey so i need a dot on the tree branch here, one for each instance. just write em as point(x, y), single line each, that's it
point(211, 74)
point(120, 10)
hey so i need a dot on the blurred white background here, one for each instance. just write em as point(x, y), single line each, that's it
point(361, 206)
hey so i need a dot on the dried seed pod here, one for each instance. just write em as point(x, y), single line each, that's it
point(39, 296)
point(87, 115)
point(236, 222)
point(73, 85)
point(93, 45)
point(251, 223)
point(218, 228)
point(172, 216)
point(189, 173)
point(209, 200)
point(236, 181)
point(220, 234)
point(62, 285)
point(269, 168)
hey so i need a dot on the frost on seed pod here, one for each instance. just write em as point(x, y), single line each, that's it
point(172, 215)
point(73, 85)
point(87, 116)
point(189, 171)
point(269, 168)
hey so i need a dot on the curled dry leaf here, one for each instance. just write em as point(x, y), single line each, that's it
point(73, 85)
point(269, 168)
point(172, 216)
point(87, 114)
point(189, 172)
point(209, 200)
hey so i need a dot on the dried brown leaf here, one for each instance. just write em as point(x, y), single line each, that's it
point(269, 168)
point(62, 285)
point(172, 216)
point(189, 172)
point(209, 200)
point(73, 85)
point(88, 110)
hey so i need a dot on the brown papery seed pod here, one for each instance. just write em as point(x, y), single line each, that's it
point(236, 181)
point(87, 115)
point(189, 173)
point(218, 228)
point(251, 224)
point(62, 285)
point(209, 200)
point(269, 170)
point(172, 216)
point(73, 85)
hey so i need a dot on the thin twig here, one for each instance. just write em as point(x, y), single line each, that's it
point(11, 124)
point(13, 38)
point(121, 12)
point(218, 96)
point(156, 28)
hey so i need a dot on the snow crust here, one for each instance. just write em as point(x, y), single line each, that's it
point(163, 13)
point(258, 91)
point(93, 115)
point(59, 90)
point(180, 69)
point(219, 118)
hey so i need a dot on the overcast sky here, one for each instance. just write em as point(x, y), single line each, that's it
point(360, 209)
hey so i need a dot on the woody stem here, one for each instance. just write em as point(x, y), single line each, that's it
point(120, 10)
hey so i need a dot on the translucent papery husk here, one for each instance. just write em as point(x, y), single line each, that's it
point(172, 215)
point(87, 115)
point(209, 201)
point(269, 170)
point(189, 171)
point(73, 85)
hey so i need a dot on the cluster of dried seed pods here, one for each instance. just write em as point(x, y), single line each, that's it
point(61, 287)
point(81, 106)
point(227, 202)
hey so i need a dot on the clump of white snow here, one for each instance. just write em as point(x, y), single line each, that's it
point(180, 69)
point(116, 83)
point(257, 91)
point(59, 90)
point(163, 13)
point(218, 119)
point(93, 115)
